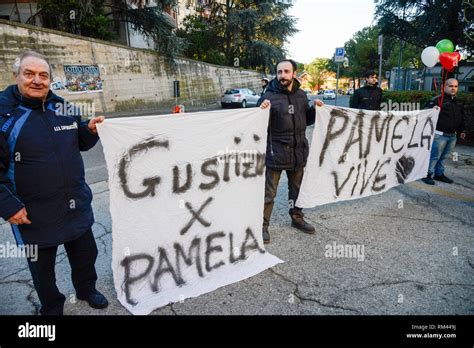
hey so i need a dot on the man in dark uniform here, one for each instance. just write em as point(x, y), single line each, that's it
point(368, 97)
point(43, 193)
point(450, 123)
point(287, 146)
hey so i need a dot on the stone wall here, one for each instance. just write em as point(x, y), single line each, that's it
point(133, 79)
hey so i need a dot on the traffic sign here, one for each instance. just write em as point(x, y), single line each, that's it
point(339, 56)
point(176, 90)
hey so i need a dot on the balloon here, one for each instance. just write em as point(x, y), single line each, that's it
point(458, 55)
point(449, 60)
point(430, 56)
point(445, 45)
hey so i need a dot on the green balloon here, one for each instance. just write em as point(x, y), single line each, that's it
point(445, 45)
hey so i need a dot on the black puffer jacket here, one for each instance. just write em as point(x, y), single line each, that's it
point(287, 146)
point(367, 98)
point(451, 117)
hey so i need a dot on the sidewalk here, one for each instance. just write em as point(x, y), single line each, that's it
point(418, 259)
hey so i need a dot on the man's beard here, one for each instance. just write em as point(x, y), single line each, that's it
point(285, 83)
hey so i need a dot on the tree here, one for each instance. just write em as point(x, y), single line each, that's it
point(75, 16)
point(99, 19)
point(199, 35)
point(249, 33)
point(423, 23)
point(362, 52)
point(319, 70)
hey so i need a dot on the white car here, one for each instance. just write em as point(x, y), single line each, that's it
point(242, 97)
point(329, 95)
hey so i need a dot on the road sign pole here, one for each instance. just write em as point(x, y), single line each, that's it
point(337, 83)
point(338, 58)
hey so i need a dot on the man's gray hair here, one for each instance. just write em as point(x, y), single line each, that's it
point(19, 59)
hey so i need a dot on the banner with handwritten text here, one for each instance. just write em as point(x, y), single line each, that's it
point(358, 153)
point(186, 200)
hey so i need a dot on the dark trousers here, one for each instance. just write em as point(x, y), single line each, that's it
point(82, 253)
point(272, 178)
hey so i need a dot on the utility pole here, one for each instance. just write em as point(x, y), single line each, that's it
point(399, 73)
point(337, 83)
point(397, 82)
point(380, 61)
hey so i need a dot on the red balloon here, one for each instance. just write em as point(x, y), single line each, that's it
point(458, 55)
point(449, 60)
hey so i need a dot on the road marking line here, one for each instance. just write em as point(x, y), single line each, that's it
point(442, 192)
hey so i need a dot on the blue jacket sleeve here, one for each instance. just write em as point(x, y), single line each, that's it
point(10, 204)
point(87, 139)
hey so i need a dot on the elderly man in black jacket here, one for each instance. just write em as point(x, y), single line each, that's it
point(287, 146)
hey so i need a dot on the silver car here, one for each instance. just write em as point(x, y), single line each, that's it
point(242, 97)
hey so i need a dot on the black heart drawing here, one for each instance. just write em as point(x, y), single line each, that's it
point(404, 167)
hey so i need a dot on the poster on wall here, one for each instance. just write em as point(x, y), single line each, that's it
point(79, 79)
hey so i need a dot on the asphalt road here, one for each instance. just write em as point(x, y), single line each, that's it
point(418, 256)
point(342, 100)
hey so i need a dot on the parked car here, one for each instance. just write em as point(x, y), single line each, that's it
point(329, 94)
point(241, 97)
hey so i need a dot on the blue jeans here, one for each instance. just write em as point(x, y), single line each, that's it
point(442, 147)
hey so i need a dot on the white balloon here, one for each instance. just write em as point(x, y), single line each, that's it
point(430, 56)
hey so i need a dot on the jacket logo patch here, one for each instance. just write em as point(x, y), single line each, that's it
point(62, 128)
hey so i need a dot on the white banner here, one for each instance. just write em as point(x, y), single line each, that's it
point(186, 199)
point(358, 153)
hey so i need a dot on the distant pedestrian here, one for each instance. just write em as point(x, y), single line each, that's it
point(265, 83)
point(451, 122)
point(368, 97)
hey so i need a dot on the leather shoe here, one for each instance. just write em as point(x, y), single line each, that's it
point(95, 299)
point(443, 178)
point(265, 235)
point(303, 226)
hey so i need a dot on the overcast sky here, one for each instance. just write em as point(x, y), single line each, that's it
point(325, 25)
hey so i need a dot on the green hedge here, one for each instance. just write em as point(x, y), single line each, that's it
point(422, 97)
